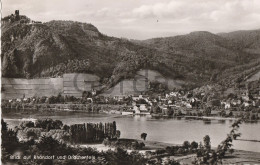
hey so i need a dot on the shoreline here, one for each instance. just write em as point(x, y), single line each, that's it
point(239, 156)
point(212, 117)
point(153, 145)
point(115, 112)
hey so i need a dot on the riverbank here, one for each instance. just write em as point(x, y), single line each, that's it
point(211, 117)
point(111, 110)
point(150, 146)
point(238, 157)
point(173, 131)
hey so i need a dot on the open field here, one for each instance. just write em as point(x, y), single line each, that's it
point(239, 157)
point(71, 84)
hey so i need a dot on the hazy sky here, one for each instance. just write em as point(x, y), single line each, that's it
point(142, 19)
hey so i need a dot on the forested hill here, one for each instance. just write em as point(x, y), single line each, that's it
point(31, 50)
point(228, 57)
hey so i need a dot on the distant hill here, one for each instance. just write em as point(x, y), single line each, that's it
point(229, 57)
point(35, 49)
point(248, 40)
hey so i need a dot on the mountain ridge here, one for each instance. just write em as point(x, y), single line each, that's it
point(31, 50)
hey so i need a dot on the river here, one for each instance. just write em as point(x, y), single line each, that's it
point(173, 131)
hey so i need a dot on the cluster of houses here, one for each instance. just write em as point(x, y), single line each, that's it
point(172, 101)
point(245, 100)
point(143, 104)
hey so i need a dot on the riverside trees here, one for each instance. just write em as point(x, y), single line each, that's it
point(211, 157)
point(77, 133)
point(50, 146)
point(90, 132)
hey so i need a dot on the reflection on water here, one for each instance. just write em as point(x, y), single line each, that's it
point(173, 131)
point(206, 121)
point(222, 121)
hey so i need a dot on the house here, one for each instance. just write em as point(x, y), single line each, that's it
point(143, 107)
point(188, 105)
point(175, 94)
point(127, 112)
point(227, 105)
point(192, 100)
point(165, 110)
point(136, 109)
point(245, 98)
point(119, 98)
point(93, 92)
point(246, 104)
point(90, 99)
point(135, 98)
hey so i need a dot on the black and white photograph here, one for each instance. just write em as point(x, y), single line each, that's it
point(130, 82)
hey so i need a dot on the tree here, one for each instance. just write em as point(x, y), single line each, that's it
point(86, 94)
point(206, 141)
point(48, 145)
point(4, 125)
point(118, 133)
point(143, 136)
point(180, 151)
point(28, 124)
point(194, 145)
point(207, 111)
point(186, 144)
point(171, 162)
point(207, 156)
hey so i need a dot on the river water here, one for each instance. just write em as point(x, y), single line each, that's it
point(173, 131)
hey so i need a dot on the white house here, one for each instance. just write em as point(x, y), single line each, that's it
point(174, 94)
point(246, 104)
point(143, 107)
point(188, 105)
point(136, 109)
point(227, 105)
point(135, 98)
point(127, 112)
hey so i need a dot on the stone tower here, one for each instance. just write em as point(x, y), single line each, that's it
point(16, 12)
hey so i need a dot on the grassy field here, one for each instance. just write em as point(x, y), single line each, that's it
point(70, 84)
point(17, 88)
point(239, 157)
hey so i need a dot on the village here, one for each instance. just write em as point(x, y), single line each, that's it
point(134, 83)
point(177, 103)
point(207, 101)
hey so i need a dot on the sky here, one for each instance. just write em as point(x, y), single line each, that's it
point(143, 19)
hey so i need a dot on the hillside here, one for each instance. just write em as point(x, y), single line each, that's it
point(33, 50)
point(230, 57)
point(247, 40)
